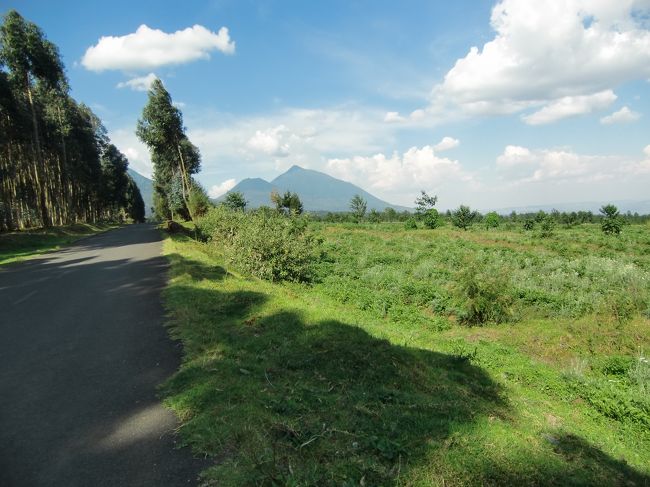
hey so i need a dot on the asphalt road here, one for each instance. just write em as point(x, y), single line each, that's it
point(82, 350)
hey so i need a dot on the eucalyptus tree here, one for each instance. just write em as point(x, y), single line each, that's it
point(173, 155)
point(54, 152)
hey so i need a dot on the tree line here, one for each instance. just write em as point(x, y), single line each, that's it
point(57, 164)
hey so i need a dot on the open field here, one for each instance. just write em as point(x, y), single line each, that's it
point(15, 246)
point(377, 373)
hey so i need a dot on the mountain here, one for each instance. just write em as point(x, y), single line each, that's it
point(145, 186)
point(318, 191)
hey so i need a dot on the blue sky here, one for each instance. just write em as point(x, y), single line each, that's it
point(487, 103)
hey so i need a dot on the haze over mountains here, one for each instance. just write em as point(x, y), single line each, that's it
point(318, 191)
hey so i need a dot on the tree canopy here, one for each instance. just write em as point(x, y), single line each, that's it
point(174, 157)
point(57, 165)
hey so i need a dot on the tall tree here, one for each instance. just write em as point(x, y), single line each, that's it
point(55, 164)
point(173, 155)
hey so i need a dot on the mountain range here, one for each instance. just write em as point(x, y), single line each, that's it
point(145, 185)
point(317, 191)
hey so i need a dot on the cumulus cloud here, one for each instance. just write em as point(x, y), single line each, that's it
point(219, 189)
point(142, 83)
point(446, 143)
point(393, 117)
point(134, 150)
point(148, 48)
point(414, 169)
point(549, 54)
point(270, 141)
point(523, 165)
point(624, 115)
point(570, 106)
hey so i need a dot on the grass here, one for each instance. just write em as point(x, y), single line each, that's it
point(365, 378)
point(22, 245)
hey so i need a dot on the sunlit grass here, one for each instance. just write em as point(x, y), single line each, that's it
point(365, 378)
point(16, 246)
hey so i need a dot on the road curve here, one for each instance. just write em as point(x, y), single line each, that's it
point(82, 349)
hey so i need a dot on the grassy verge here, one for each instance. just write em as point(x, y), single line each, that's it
point(17, 246)
point(288, 384)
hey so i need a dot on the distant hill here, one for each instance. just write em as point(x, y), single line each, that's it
point(318, 191)
point(145, 186)
point(640, 207)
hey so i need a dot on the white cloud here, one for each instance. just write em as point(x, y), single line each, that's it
point(523, 165)
point(446, 143)
point(143, 83)
point(219, 189)
point(270, 142)
point(543, 52)
point(570, 106)
point(393, 117)
point(136, 152)
point(148, 48)
point(514, 155)
point(415, 169)
point(624, 115)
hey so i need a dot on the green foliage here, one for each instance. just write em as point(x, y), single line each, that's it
point(492, 220)
point(463, 217)
point(358, 207)
point(410, 224)
point(424, 202)
point(483, 293)
point(57, 165)
point(198, 202)
point(174, 157)
point(432, 218)
point(546, 227)
point(263, 243)
point(288, 203)
point(235, 201)
point(529, 224)
point(611, 223)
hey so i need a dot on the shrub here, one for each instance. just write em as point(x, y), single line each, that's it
point(612, 222)
point(483, 294)
point(492, 220)
point(235, 201)
point(198, 201)
point(263, 243)
point(529, 224)
point(432, 219)
point(410, 224)
point(463, 217)
point(547, 227)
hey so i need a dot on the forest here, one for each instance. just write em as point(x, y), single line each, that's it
point(57, 163)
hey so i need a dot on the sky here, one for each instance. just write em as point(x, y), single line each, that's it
point(485, 103)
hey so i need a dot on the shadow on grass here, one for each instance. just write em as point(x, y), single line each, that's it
point(279, 400)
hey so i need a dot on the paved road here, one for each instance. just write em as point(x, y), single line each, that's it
point(82, 349)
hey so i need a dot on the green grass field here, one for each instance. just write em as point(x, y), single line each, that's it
point(16, 246)
point(367, 376)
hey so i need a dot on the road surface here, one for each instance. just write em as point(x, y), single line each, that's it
point(82, 350)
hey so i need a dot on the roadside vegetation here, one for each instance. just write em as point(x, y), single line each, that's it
point(16, 246)
point(366, 353)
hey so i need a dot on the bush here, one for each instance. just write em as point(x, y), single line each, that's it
point(547, 227)
point(483, 294)
point(463, 217)
point(612, 222)
point(198, 201)
point(263, 243)
point(410, 224)
point(529, 224)
point(492, 220)
point(432, 219)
